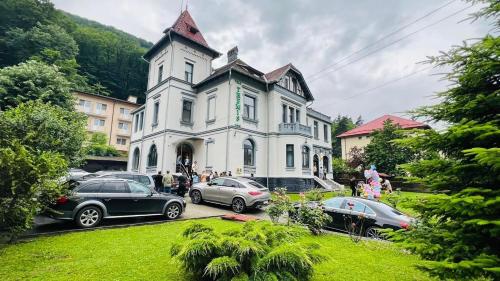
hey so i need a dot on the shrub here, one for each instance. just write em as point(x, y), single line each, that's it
point(312, 216)
point(260, 251)
point(281, 204)
point(314, 194)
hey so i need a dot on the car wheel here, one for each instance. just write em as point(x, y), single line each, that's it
point(173, 211)
point(196, 197)
point(238, 205)
point(89, 216)
point(373, 233)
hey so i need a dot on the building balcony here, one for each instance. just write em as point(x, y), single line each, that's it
point(295, 128)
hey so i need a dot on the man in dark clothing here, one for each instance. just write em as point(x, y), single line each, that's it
point(352, 184)
point(181, 191)
point(158, 179)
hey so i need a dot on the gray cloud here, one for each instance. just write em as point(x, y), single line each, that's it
point(312, 35)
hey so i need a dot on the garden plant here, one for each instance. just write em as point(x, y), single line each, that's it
point(258, 251)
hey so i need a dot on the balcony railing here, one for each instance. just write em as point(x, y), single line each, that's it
point(295, 128)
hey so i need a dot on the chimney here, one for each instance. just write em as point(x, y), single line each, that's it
point(132, 99)
point(232, 54)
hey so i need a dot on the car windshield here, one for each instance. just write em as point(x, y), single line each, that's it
point(388, 209)
point(335, 202)
point(136, 187)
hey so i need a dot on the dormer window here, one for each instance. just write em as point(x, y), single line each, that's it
point(294, 85)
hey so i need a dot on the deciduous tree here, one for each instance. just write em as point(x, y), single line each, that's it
point(34, 80)
point(383, 152)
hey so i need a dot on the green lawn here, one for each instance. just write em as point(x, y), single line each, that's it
point(141, 253)
point(403, 206)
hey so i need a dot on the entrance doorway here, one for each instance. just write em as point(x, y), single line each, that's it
point(316, 165)
point(184, 158)
point(326, 166)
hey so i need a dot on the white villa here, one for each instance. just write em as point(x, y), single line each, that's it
point(234, 118)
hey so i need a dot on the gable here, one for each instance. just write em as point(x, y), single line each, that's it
point(293, 81)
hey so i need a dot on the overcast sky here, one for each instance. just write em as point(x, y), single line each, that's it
point(314, 36)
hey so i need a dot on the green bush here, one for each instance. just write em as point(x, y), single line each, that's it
point(340, 168)
point(281, 204)
point(314, 194)
point(260, 251)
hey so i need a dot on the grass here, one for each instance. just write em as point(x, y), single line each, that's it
point(142, 253)
point(403, 205)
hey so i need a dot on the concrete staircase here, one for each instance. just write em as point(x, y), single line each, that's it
point(329, 184)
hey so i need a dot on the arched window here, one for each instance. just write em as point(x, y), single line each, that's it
point(152, 156)
point(135, 159)
point(248, 153)
point(305, 157)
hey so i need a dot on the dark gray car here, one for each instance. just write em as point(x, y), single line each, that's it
point(104, 198)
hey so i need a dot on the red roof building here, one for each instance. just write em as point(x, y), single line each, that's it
point(378, 124)
point(360, 137)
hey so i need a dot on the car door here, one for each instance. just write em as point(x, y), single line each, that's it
point(211, 191)
point(116, 197)
point(227, 191)
point(333, 207)
point(144, 201)
point(354, 212)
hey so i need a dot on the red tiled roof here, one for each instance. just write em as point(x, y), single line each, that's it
point(186, 26)
point(277, 73)
point(378, 124)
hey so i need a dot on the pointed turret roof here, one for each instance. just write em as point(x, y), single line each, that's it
point(186, 26)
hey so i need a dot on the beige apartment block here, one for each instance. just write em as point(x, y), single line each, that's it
point(108, 115)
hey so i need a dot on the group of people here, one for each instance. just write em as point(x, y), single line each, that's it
point(373, 186)
point(165, 183)
point(207, 176)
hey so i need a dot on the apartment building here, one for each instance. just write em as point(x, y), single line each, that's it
point(110, 116)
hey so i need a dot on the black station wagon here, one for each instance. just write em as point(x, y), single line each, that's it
point(103, 198)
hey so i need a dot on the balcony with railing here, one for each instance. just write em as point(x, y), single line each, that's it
point(295, 128)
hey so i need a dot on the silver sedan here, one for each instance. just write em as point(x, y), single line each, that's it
point(239, 193)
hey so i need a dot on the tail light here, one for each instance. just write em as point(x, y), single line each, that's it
point(62, 200)
point(254, 193)
point(404, 225)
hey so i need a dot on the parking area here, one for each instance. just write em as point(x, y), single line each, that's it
point(44, 225)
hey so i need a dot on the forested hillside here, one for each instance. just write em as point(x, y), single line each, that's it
point(94, 57)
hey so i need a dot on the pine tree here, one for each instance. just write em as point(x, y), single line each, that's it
point(459, 231)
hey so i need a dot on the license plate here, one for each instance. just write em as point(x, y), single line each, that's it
point(265, 202)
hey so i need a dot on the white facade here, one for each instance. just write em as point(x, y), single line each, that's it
point(231, 108)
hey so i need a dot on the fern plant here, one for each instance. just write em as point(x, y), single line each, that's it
point(259, 251)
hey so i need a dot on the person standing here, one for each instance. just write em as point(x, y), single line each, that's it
point(196, 179)
point(387, 185)
point(352, 184)
point(194, 167)
point(181, 191)
point(229, 174)
point(158, 180)
point(167, 182)
point(216, 175)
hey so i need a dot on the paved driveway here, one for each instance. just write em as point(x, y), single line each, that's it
point(48, 225)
